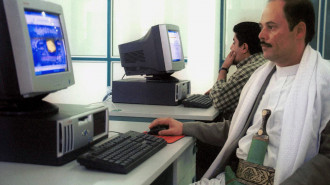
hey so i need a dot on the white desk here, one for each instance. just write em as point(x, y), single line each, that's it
point(180, 112)
point(178, 157)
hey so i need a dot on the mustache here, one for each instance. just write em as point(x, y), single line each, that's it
point(262, 43)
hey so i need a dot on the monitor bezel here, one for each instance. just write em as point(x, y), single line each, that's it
point(31, 84)
point(170, 65)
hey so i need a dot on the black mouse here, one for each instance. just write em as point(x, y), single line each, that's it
point(154, 130)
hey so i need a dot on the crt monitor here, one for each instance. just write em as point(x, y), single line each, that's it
point(34, 53)
point(158, 54)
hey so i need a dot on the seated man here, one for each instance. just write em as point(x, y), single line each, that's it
point(294, 86)
point(246, 54)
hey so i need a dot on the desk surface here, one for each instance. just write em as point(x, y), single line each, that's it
point(73, 173)
point(157, 111)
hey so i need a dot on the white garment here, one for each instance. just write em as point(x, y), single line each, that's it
point(219, 180)
point(273, 99)
point(306, 113)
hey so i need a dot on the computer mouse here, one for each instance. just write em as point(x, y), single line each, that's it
point(154, 130)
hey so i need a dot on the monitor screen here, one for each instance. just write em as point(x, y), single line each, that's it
point(175, 44)
point(47, 42)
point(34, 51)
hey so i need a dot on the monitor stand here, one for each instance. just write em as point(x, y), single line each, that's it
point(27, 107)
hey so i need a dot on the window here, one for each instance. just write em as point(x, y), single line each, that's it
point(239, 11)
point(86, 22)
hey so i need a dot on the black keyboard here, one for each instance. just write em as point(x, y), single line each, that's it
point(123, 153)
point(198, 101)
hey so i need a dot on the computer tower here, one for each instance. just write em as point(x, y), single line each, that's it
point(52, 139)
point(142, 91)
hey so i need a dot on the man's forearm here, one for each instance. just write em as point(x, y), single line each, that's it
point(212, 133)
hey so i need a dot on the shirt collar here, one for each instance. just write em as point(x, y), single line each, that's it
point(287, 71)
point(249, 60)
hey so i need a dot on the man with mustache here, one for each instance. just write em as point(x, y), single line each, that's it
point(294, 86)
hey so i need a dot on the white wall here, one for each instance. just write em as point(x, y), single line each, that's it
point(203, 44)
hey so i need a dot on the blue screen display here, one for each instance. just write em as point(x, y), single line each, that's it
point(47, 42)
point(176, 51)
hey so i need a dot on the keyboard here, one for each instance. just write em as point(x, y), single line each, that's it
point(123, 153)
point(198, 101)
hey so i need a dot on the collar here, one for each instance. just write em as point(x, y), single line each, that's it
point(249, 59)
point(287, 71)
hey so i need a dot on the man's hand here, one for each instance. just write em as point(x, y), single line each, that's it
point(226, 64)
point(229, 60)
point(175, 127)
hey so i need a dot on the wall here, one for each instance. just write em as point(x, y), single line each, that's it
point(203, 44)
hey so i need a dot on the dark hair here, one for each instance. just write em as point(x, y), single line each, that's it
point(247, 32)
point(300, 11)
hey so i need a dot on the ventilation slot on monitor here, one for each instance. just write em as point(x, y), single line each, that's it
point(134, 57)
point(65, 142)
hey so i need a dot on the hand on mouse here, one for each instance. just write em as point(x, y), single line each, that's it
point(175, 127)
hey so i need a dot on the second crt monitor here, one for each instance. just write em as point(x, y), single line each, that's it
point(157, 55)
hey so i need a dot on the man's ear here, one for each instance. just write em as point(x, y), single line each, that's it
point(300, 30)
point(245, 48)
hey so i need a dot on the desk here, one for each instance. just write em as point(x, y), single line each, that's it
point(173, 158)
point(140, 112)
